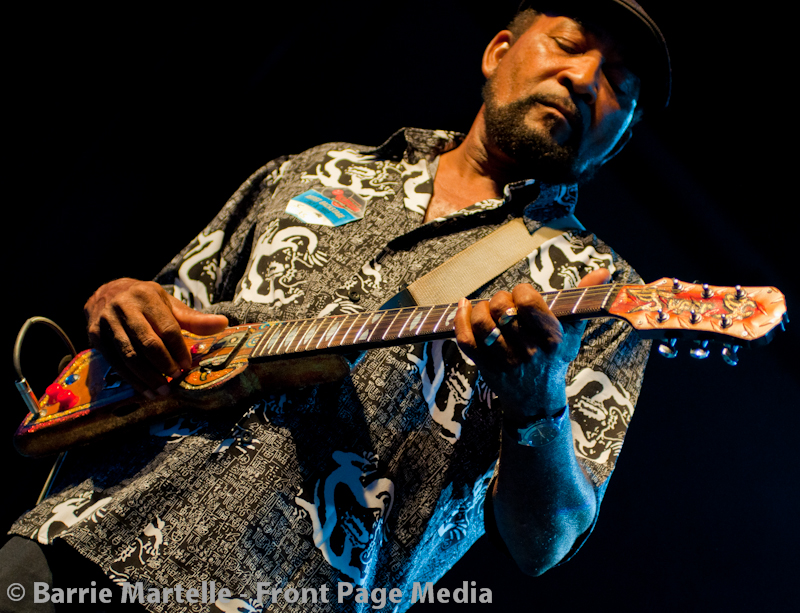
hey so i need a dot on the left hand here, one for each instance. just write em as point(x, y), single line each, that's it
point(527, 364)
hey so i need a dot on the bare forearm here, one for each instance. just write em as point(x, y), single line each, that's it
point(542, 501)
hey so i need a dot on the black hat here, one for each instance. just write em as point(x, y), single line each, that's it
point(626, 21)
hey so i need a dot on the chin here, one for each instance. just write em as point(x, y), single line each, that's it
point(530, 143)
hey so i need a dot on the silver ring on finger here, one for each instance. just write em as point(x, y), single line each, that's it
point(507, 317)
point(492, 337)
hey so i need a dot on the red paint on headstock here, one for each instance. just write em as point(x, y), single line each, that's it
point(669, 308)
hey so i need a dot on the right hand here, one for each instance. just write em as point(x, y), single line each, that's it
point(137, 327)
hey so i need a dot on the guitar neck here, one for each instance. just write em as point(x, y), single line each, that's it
point(369, 330)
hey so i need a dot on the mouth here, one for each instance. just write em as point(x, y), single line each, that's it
point(562, 110)
point(567, 113)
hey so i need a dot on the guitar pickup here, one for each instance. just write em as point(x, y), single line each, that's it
point(220, 362)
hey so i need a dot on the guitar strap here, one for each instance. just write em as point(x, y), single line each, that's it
point(475, 266)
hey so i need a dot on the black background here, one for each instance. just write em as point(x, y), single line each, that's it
point(129, 128)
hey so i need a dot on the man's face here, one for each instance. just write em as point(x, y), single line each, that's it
point(559, 99)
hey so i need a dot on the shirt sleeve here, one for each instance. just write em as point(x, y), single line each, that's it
point(603, 386)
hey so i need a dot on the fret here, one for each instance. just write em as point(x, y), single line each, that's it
point(330, 333)
point(612, 290)
point(550, 298)
point(560, 298)
point(379, 325)
point(364, 333)
point(344, 337)
point(273, 339)
point(257, 350)
point(324, 332)
point(439, 321)
point(278, 338)
point(405, 323)
point(410, 323)
point(418, 316)
point(299, 333)
point(450, 312)
point(575, 308)
point(308, 337)
point(357, 335)
point(291, 332)
point(424, 319)
point(389, 327)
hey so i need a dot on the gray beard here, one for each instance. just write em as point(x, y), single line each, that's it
point(537, 154)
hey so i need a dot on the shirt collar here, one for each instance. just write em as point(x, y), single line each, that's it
point(413, 144)
point(539, 201)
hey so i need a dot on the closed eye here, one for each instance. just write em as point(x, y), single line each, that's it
point(567, 45)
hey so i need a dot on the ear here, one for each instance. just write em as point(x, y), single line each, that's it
point(495, 51)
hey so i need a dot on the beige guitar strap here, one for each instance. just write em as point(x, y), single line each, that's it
point(481, 262)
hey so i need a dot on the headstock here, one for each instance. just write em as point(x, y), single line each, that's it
point(669, 309)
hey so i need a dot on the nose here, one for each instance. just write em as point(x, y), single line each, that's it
point(582, 75)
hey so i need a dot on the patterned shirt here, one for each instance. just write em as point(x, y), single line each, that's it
point(378, 480)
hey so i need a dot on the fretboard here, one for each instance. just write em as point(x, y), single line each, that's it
point(389, 327)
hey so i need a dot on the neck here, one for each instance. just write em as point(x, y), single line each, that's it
point(471, 172)
point(391, 327)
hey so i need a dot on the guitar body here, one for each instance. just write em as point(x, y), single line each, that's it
point(89, 400)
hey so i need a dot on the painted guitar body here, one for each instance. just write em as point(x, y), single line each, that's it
point(101, 402)
point(89, 400)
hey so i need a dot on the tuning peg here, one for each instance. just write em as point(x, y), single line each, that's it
point(706, 291)
point(784, 321)
point(661, 316)
point(694, 317)
point(699, 352)
point(740, 293)
point(730, 354)
point(668, 349)
point(676, 285)
point(725, 321)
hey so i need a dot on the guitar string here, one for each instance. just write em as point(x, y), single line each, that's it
point(305, 331)
point(590, 298)
point(295, 328)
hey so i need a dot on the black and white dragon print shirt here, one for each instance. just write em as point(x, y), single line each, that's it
point(376, 481)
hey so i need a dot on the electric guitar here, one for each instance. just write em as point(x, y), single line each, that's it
point(89, 400)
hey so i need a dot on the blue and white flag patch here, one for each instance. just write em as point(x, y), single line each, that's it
point(335, 207)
